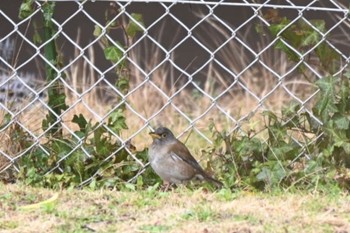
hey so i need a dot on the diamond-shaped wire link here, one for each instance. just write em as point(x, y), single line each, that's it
point(233, 74)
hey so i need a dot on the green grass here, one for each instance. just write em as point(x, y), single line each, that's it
point(180, 210)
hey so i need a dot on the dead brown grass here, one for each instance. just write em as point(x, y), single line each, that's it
point(160, 98)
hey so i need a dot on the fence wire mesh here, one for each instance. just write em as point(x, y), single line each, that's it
point(182, 64)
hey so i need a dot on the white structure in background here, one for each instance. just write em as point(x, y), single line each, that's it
point(17, 89)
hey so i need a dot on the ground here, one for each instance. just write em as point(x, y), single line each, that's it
point(26, 209)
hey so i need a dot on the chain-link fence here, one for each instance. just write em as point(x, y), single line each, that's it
point(78, 70)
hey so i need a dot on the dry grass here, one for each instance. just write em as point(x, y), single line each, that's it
point(181, 210)
point(162, 100)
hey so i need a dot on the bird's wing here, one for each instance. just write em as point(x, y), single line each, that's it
point(178, 151)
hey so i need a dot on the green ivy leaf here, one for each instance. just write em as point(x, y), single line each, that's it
point(272, 117)
point(265, 175)
point(48, 11)
point(97, 31)
point(320, 24)
point(79, 134)
point(328, 56)
point(326, 105)
point(58, 102)
point(122, 84)
point(276, 28)
point(133, 27)
point(80, 121)
point(312, 38)
point(346, 147)
point(113, 54)
point(130, 186)
point(338, 136)
point(26, 9)
point(99, 141)
point(342, 122)
point(117, 121)
point(347, 74)
point(293, 56)
point(280, 152)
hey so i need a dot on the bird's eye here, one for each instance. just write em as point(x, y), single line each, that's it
point(163, 135)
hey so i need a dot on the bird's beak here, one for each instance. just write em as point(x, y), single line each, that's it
point(154, 135)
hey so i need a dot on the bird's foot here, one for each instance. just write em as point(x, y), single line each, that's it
point(166, 185)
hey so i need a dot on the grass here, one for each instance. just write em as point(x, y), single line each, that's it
point(27, 209)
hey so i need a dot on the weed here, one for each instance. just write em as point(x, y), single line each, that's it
point(154, 228)
point(295, 150)
point(9, 225)
point(93, 152)
point(201, 213)
point(296, 147)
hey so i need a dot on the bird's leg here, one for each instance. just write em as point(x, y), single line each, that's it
point(166, 186)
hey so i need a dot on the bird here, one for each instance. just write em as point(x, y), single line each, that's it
point(172, 161)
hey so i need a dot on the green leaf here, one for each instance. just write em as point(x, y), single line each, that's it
point(99, 141)
point(311, 166)
point(48, 11)
point(293, 56)
point(97, 31)
point(276, 28)
point(279, 172)
point(6, 119)
point(57, 100)
point(291, 109)
point(338, 136)
point(311, 39)
point(290, 115)
point(251, 147)
point(26, 9)
point(347, 74)
point(283, 151)
point(271, 173)
point(113, 54)
point(346, 147)
point(139, 182)
point(326, 104)
point(328, 56)
point(36, 37)
point(122, 84)
point(47, 121)
point(270, 115)
point(320, 24)
point(133, 27)
point(264, 175)
point(130, 186)
point(342, 122)
point(81, 121)
point(79, 134)
point(117, 121)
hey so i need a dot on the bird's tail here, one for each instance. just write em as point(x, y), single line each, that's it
point(203, 175)
point(217, 183)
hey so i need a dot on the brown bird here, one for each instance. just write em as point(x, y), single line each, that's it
point(172, 161)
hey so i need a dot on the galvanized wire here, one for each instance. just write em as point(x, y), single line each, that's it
point(15, 84)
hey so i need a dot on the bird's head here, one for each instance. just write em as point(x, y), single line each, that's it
point(162, 134)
